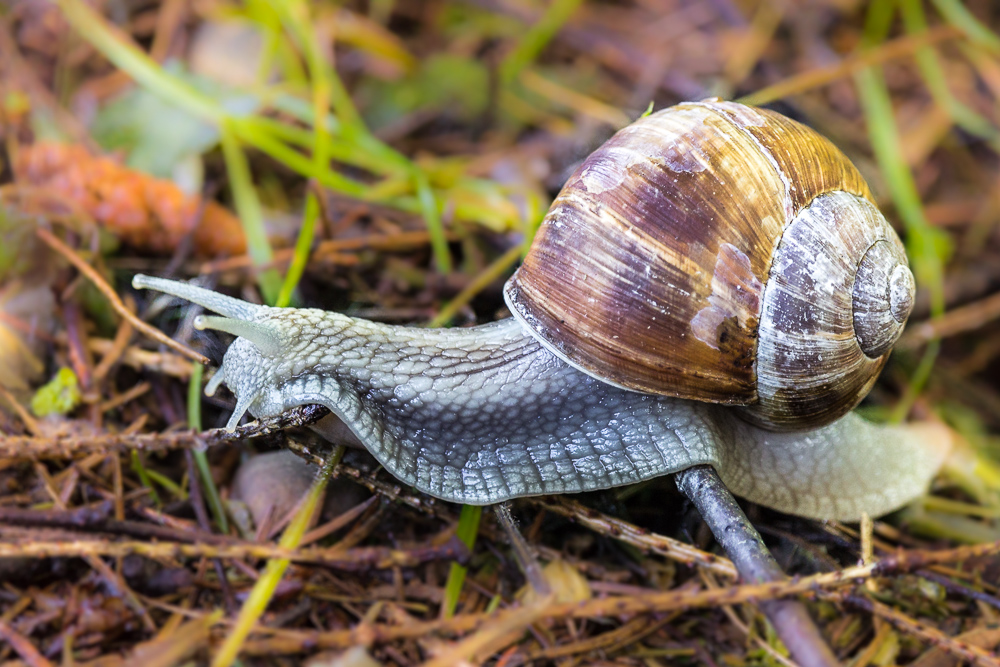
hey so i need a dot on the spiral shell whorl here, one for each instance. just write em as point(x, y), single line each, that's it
point(828, 319)
point(883, 298)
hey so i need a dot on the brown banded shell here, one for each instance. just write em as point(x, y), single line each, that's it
point(668, 261)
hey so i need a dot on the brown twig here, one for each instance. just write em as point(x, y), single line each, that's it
point(72, 446)
point(354, 559)
point(820, 76)
point(958, 320)
point(30, 422)
point(125, 397)
point(631, 534)
point(23, 646)
point(57, 245)
point(118, 348)
point(744, 546)
point(927, 633)
point(653, 602)
point(291, 641)
point(166, 363)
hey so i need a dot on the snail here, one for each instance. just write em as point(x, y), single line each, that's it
point(714, 285)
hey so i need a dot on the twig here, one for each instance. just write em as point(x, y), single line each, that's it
point(118, 347)
point(522, 552)
point(71, 446)
point(744, 546)
point(29, 422)
point(640, 538)
point(955, 321)
point(621, 636)
point(820, 76)
point(165, 363)
point(125, 397)
point(490, 639)
point(929, 634)
point(301, 415)
point(23, 646)
point(291, 641)
point(53, 242)
point(352, 560)
point(954, 587)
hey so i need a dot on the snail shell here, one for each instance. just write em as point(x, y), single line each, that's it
point(721, 253)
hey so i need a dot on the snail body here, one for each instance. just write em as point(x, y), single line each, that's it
point(648, 306)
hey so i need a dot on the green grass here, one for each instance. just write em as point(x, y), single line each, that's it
point(200, 458)
point(468, 527)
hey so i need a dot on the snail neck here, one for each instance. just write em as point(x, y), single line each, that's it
point(418, 378)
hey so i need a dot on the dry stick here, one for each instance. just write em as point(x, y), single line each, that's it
point(610, 641)
point(118, 346)
point(53, 242)
point(963, 650)
point(398, 242)
point(815, 78)
point(491, 638)
point(958, 589)
point(23, 646)
point(632, 535)
point(164, 363)
point(70, 446)
point(955, 321)
point(29, 422)
point(73, 446)
point(125, 397)
point(351, 560)
point(522, 552)
point(744, 546)
point(292, 641)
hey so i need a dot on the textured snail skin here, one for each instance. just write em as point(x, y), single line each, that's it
point(484, 414)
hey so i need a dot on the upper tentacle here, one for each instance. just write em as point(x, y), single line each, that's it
point(218, 303)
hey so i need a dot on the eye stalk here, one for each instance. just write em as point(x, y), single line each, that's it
point(217, 303)
point(264, 335)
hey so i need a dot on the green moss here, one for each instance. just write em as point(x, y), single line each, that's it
point(57, 397)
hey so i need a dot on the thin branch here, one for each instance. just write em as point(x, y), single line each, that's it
point(744, 546)
point(640, 538)
point(356, 559)
point(87, 270)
